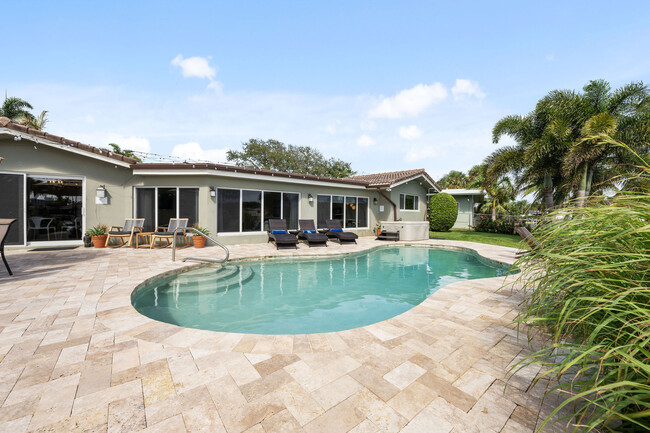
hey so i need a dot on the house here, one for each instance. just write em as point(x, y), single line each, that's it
point(466, 199)
point(58, 188)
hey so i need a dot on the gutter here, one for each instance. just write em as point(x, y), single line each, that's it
point(391, 202)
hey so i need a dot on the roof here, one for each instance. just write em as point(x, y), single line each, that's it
point(9, 124)
point(462, 191)
point(237, 169)
point(379, 180)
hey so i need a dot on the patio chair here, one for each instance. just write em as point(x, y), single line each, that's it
point(310, 235)
point(38, 224)
point(166, 233)
point(128, 230)
point(278, 233)
point(528, 237)
point(336, 232)
point(5, 225)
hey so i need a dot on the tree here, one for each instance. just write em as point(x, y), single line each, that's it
point(15, 108)
point(34, 122)
point(118, 150)
point(275, 155)
point(453, 179)
point(499, 193)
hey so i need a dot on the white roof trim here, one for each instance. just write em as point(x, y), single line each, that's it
point(413, 178)
point(462, 191)
point(45, 141)
point(207, 172)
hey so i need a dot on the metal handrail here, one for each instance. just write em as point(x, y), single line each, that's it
point(200, 259)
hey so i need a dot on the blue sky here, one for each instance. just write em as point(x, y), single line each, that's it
point(384, 85)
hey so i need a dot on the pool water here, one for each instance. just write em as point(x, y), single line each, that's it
point(310, 295)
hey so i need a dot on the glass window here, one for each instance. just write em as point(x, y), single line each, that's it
point(362, 212)
point(338, 208)
point(11, 197)
point(350, 212)
point(272, 206)
point(145, 207)
point(166, 205)
point(188, 205)
point(54, 209)
point(322, 210)
point(228, 201)
point(290, 204)
point(251, 211)
point(409, 202)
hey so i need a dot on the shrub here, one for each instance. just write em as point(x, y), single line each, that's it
point(485, 224)
point(443, 212)
point(588, 286)
point(98, 230)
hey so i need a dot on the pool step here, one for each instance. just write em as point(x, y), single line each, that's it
point(219, 280)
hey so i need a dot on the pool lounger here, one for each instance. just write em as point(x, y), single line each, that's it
point(310, 235)
point(278, 233)
point(336, 232)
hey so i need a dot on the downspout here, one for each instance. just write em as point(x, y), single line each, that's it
point(391, 202)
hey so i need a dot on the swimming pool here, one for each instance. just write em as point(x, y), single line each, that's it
point(308, 295)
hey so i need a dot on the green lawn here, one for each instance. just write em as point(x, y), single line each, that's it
point(512, 241)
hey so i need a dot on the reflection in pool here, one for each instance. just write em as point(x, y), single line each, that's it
point(308, 295)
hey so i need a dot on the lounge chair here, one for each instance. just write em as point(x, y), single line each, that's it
point(336, 232)
point(310, 235)
point(528, 237)
point(128, 230)
point(166, 233)
point(278, 233)
point(5, 225)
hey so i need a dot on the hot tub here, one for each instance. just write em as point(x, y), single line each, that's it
point(408, 230)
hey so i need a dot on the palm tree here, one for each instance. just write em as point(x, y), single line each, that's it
point(34, 122)
point(499, 193)
point(128, 153)
point(15, 108)
point(453, 179)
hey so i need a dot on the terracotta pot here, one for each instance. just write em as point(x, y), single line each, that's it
point(378, 231)
point(199, 241)
point(99, 241)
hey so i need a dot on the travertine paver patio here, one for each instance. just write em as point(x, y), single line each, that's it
point(75, 356)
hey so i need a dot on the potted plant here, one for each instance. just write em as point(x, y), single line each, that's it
point(378, 228)
point(98, 235)
point(198, 239)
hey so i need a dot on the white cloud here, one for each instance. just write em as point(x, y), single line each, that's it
point(410, 102)
point(193, 151)
point(365, 141)
point(467, 88)
point(139, 144)
point(198, 67)
point(368, 125)
point(410, 132)
point(420, 153)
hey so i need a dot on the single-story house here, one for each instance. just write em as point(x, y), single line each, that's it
point(466, 199)
point(58, 188)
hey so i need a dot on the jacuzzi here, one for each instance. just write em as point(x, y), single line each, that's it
point(408, 230)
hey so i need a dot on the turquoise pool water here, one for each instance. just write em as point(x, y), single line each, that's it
point(308, 295)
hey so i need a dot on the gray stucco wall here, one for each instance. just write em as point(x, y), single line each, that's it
point(465, 211)
point(413, 187)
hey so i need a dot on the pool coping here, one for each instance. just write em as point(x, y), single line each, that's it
point(116, 313)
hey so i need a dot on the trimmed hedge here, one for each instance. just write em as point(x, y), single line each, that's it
point(443, 212)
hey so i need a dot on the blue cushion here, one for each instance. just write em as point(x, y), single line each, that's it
point(279, 232)
point(309, 231)
point(336, 230)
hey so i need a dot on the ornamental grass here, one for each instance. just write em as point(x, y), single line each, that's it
point(588, 287)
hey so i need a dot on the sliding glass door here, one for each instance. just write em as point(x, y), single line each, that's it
point(54, 209)
point(250, 210)
point(12, 198)
point(158, 204)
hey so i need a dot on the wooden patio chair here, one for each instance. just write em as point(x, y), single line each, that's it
point(128, 230)
point(166, 233)
point(5, 225)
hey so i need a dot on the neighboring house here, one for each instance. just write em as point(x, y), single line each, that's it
point(58, 188)
point(466, 199)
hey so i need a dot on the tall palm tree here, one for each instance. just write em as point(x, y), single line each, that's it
point(34, 122)
point(15, 108)
point(499, 193)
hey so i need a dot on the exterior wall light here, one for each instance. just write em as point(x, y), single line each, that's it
point(213, 192)
point(101, 195)
point(375, 201)
point(310, 198)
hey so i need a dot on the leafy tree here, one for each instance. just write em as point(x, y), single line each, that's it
point(128, 153)
point(454, 179)
point(499, 193)
point(275, 155)
point(443, 212)
point(34, 122)
point(15, 108)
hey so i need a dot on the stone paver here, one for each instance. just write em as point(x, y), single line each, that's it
point(76, 356)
